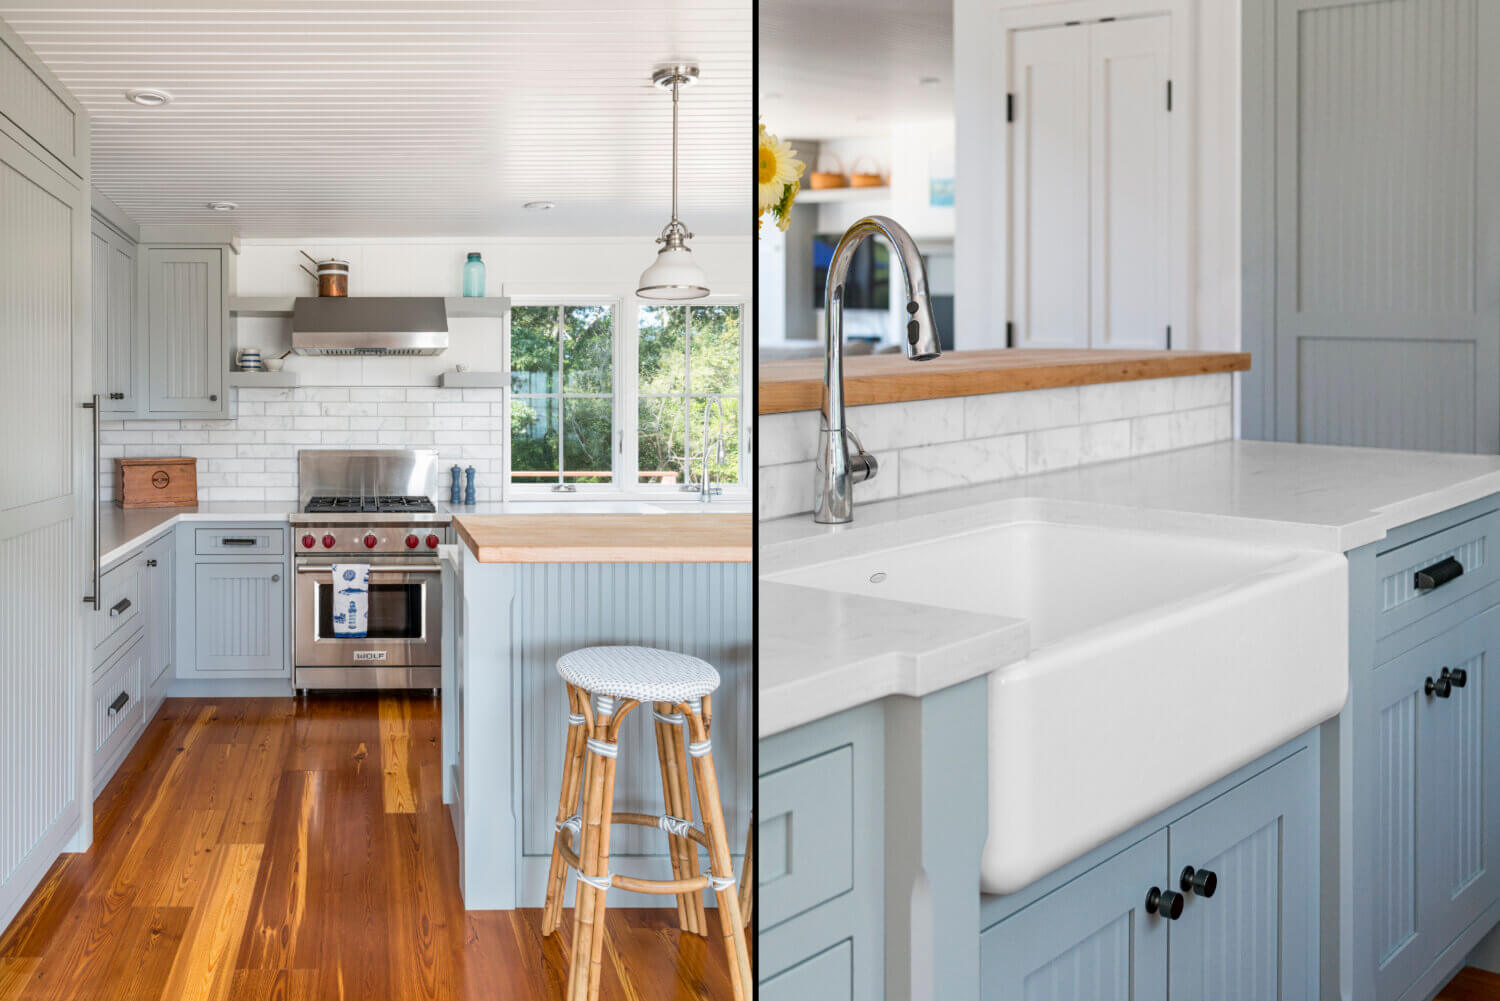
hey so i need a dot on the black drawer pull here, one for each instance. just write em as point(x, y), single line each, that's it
point(251, 542)
point(1438, 574)
point(118, 704)
point(118, 608)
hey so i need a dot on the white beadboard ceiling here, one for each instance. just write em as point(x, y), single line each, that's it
point(832, 69)
point(409, 117)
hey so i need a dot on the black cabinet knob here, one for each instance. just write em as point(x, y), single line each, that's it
point(1164, 902)
point(1203, 882)
point(1457, 678)
point(1442, 687)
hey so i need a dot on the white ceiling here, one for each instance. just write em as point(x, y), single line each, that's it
point(409, 117)
point(833, 69)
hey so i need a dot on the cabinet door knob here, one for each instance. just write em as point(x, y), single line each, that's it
point(1203, 882)
point(213, 398)
point(1458, 677)
point(150, 563)
point(1164, 902)
point(276, 578)
point(1442, 688)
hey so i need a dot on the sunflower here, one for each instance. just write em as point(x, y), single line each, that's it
point(777, 173)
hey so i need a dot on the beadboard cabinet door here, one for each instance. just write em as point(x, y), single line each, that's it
point(157, 598)
point(1090, 939)
point(116, 355)
point(186, 331)
point(239, 622)
point(1426, 802)
point(1252, 938)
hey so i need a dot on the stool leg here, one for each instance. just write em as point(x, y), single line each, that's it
point(747, 875)
point(672, 753)
point(720, 864)
point(587, 962)
point(557, 875)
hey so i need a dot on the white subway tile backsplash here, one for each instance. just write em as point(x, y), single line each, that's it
point(461, 409)
point(377, 394)
point(1000, 436)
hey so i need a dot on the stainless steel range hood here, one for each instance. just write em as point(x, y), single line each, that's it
point(369, 325)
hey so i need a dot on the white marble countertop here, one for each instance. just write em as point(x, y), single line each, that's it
point(817, 659)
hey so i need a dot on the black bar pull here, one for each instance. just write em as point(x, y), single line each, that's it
point(236, 542)
point(118, 704)
point(119, 607)
point(1438, 574)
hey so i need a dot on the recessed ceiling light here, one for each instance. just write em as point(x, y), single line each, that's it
point(148, 97)
point(929, 81)
point(540, 206)
point(223, 206)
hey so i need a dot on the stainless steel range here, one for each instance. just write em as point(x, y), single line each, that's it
point(374, 507)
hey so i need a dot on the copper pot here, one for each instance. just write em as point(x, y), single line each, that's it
point(332, 276)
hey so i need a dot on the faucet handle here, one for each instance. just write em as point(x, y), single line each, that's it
point(862, 465)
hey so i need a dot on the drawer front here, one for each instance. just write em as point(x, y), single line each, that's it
point(239, 541)
point(119, 607)
point(828, 976)
point(114, 718)
point(1400, 597)
point(805, 835)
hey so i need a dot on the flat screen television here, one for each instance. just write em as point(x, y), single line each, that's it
point(869, 283)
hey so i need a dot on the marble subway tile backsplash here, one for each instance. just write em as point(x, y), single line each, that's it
point(253, 456)
point(937, 444)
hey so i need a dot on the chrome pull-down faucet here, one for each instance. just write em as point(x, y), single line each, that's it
point(836, 470)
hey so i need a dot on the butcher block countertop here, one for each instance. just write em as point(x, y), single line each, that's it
point(608, 538)
point(787, 386)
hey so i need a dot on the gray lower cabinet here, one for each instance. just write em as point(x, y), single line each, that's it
point(156, 597)
point(1252, 938)
point(186, 322)
point(234, 610)
point(116, 356)
point(828, 976)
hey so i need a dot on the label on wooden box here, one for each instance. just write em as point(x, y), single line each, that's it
point(166, 482)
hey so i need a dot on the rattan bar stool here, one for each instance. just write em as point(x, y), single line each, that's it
point(604, 684)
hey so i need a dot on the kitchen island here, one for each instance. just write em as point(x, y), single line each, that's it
point(524, 588)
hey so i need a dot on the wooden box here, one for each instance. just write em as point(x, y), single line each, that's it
point(169, 482)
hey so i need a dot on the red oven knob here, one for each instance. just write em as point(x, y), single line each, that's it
point(412, 541)
point(327, 542)
point(432, 542)
point(308, 542)
point(370, 541)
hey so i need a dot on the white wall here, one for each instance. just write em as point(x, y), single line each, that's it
point(390, 402)
point(1212, 91)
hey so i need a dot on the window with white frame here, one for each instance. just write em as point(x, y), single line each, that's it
point(562, 394)
point(688, 361)
point(625, 397)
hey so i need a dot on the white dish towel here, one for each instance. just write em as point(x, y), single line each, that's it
point(351, 599)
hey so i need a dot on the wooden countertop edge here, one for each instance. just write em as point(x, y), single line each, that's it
point(607, 552)
point(994, 373)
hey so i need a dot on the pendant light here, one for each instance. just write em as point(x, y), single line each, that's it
point(675, 275)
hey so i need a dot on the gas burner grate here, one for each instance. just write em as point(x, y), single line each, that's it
point(370, 505)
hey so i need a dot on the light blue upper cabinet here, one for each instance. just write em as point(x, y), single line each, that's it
point(1090, 939)
point(187, 323)
point(1253, 937)
point(116, 356)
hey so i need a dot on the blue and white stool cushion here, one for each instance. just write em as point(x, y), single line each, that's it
point(642, 673)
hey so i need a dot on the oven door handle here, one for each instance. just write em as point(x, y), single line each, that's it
point(374, 570)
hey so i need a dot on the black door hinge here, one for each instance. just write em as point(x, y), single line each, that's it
point(1010, 334)
point(1010, 107)
point(1169, 95)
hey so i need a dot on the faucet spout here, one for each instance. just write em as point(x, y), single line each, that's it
point(836, 471)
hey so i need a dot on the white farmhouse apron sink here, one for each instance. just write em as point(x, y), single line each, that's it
point(1158, 664)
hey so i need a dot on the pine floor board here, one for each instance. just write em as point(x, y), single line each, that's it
point(261, 849)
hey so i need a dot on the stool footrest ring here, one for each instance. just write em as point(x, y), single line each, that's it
point(631, 883)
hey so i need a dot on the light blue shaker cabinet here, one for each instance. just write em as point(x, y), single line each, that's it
point(235, 609)
point(185, 310)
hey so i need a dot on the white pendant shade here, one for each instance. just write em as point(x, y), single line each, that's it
point(674, 276)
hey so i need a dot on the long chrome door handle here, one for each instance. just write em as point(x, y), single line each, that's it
point(93, 599)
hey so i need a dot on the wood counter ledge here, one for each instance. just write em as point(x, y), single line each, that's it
point(787, 386)
point(607, 538)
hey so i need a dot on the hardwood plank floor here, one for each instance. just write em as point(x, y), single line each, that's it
point(1471, 984)
point(259, 849)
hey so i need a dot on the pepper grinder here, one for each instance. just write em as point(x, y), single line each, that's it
point(469, 485)
point(455, 483)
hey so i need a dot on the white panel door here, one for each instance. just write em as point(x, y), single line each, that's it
point(1129, 67)
point(1050, 179)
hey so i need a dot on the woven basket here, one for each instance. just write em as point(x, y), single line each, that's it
point(821, 179)
point(866, 179)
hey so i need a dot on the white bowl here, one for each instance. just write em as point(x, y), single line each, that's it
point(273, 364)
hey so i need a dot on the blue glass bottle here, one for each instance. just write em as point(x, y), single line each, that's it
point(474, 277)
